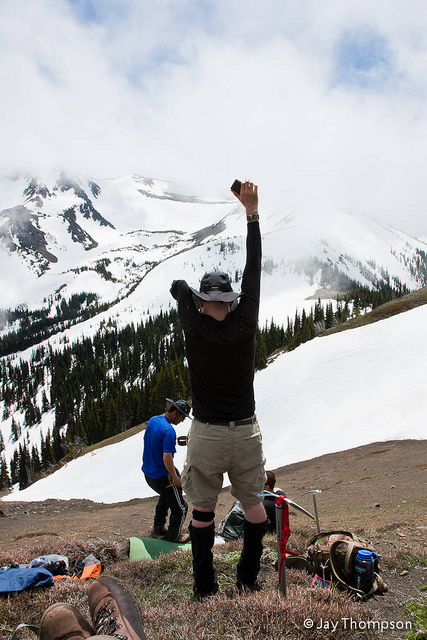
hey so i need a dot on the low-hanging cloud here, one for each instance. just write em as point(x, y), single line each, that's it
point(323, 103)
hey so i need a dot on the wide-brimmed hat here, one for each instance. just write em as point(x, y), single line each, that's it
point(182, 406)
point(216, 287)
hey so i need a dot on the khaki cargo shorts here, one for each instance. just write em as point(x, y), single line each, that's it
point(216, 449)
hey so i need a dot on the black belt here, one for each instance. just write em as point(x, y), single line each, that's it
point(233, 423)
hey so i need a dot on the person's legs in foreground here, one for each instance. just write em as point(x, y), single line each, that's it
point(202, 536)
point(202, 481)
point(238, 450)
point(113, 611)
point(170, 498)
point(179, 508)
point(254, 527)
point(160, 517)
point(247, 477)
point(62, 620)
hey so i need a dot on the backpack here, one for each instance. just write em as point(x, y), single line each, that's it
point(231, 528)
point(56, 564)
point(331, 555)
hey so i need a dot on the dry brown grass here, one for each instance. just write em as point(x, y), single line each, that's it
point(393, 476)
point(259, 615)
point(164, 589)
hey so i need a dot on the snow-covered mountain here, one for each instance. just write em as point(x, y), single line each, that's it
point(125, 239)
point(330, 394)
point(71, 236)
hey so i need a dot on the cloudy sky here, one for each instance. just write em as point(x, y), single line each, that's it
point(322, 102)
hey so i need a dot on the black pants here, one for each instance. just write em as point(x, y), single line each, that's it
point(170, 498)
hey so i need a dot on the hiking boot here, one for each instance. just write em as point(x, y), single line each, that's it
point(62, 621)
point(247, 588)
point(158, 531)
point(183, 538)
point(114, 612)
point(201, 595)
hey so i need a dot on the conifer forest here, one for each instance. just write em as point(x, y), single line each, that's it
point(101, 386)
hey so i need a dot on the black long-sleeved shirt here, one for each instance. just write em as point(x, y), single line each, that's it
point(221, 354)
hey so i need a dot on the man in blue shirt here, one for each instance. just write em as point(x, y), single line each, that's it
point(160, 472)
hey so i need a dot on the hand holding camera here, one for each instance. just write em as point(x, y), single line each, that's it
point(247, 193)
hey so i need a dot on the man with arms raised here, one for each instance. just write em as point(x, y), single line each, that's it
point(224, 435)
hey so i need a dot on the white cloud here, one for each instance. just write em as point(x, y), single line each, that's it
point(203, 92)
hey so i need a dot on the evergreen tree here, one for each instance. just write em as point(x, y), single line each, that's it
point(329, 316)
point(32, 413)
point(261, 351)
point(59, 447)
point(319, 314)
point(46, 451)
point(307, 331)
point(35, 464)
point(5, 482)
point(15, 428)
point(45, 403)
point(24, 473)
point(14, 467)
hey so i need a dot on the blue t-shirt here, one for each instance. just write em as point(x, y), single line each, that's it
point(159, 437)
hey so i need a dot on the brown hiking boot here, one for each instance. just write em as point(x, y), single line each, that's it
point(247, 588)
point(62, 621)
point(114, 611)
point(184, 538)
point(158, 531)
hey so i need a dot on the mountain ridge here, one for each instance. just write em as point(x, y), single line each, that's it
point(118, 252)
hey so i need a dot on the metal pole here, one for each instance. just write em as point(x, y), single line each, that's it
point(282, 583)
point(313, 493)
point(316, 513)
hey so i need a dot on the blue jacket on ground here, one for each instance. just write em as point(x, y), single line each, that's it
point(19, 579)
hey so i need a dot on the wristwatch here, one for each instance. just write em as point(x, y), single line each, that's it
point(253, 217)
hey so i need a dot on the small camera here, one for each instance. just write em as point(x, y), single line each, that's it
point(236, 186)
